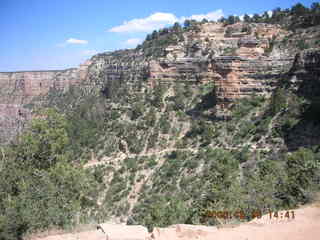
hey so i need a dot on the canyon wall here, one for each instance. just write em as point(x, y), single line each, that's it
point(239, 59)
point(17, 89)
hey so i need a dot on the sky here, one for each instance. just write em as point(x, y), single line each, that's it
point(59, 34)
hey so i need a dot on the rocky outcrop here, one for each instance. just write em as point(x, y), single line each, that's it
point(121, 67)
point(305, 73)
point(308, 60)
point(237, 77)
point(303, 85)
point(234, 58)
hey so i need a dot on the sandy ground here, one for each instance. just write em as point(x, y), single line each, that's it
point(305, 226)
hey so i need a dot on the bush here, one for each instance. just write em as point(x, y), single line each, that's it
point(164, 124)
point(40, 186)
point(302, 44)
point(278, 101)
point(303, 168)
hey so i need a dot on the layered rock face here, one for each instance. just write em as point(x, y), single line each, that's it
point(235, 58)
point(121, 67)
point(238, 58)
point(19, 88)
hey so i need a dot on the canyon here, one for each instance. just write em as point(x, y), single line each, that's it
point(201, 117)
point(240, 59)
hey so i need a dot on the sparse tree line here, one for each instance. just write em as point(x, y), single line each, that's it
point(292, 18)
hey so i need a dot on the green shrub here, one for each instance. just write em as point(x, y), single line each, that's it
point(302, 44)
point(278, 101)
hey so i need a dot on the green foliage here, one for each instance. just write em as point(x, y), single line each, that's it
point(231, 20)
point(137, 110)
point(151, 118)
point(157, 100)
point(256, 18)
point(302, 168)
point(164, 124)
point(246, 18)
point(45, 142)
point(229, 51)
point(245, 105)
point(278, 101)
point(299, 16)
point(151, 162)
point(204, 131)
point(179, 98)
point(42, 184)
point(313, 110)
point(223, 177)
point(40, 187)
point(163, 211)
point(302, 44)
point(299, 10)
point(131, 164)
point(155, 43)
point(270, 47)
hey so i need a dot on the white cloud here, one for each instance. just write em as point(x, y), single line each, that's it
point(160, 20)
point(76, 41)
point(154, 21)
point(211, 16)
point(270, 13)
point(89, 52)
point(133, 42)
point(72, 41)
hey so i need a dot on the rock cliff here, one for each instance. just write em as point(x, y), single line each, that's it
point(239, 59)
point(235, 58)
point(17, 89)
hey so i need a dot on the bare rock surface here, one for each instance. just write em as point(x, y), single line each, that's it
point(305, 226)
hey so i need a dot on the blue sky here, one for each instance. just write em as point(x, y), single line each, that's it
point(58, 34)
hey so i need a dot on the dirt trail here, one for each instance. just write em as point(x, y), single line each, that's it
point(123, 156)
point(305, 226)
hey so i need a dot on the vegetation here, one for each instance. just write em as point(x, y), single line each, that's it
point(182, 159)
point(41, 185)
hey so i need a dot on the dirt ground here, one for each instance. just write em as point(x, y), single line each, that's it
point(305, 226)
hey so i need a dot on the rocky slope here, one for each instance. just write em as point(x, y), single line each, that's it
point(210, 116)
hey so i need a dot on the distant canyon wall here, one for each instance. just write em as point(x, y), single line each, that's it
point(19, 88)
